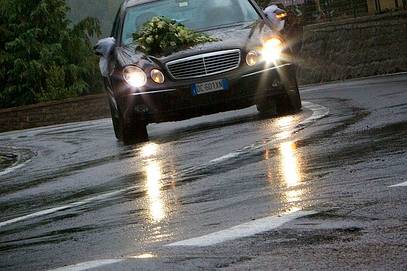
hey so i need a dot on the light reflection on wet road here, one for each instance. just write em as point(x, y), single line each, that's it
point(153, 184)
point(85, 197)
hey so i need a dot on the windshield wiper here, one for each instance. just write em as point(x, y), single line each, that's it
point(220, 26)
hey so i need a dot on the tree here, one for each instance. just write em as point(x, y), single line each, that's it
point(42, 56)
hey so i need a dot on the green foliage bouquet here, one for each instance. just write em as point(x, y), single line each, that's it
point(163, 36)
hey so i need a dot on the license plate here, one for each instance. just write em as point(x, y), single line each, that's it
point(211, 86)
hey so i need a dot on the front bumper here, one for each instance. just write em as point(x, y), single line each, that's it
point(177, 102)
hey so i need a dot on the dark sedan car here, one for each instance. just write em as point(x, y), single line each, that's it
point(249, 64)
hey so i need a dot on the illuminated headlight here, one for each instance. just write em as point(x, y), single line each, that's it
point(252, 58)
point(157, 76)
point(135, 76)
point(272, 49)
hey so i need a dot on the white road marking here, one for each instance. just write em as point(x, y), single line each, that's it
point(16, 166)
point(61, 208)
point(99, 263)
point(225, 157)
point(399, 184)
point(21, 161)
point(318, 112)
point(88, 265)
point(243, 230)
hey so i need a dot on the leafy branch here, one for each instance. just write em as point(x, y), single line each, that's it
point(163, 36)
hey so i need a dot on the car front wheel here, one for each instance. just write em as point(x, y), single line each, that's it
point(267, 107)
point(130, 130)
point(115, 121)
point(290, 102)
point(133, 130)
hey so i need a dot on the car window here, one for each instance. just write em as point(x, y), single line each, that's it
point(199, 15)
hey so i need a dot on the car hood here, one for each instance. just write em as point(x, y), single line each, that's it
point(244, 37)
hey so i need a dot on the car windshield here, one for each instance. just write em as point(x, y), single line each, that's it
point(198, 15)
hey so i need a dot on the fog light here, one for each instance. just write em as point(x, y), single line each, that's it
point(157, 76)
point(252, 58)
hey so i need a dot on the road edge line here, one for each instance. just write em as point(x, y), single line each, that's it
point(243, 230)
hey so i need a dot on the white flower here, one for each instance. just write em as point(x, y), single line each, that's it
point(149, 40)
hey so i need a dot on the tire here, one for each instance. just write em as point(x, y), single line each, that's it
point(267, 107)
point(133, 130)
point(115, 121)
point(290, 102)
point(128, 130)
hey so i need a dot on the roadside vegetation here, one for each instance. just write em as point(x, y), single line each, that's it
point(43, 56)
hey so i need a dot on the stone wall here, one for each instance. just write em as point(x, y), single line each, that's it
point(352, 48)
point(70, 110)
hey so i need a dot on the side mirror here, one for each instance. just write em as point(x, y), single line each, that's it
point(270, 11)
point(274, 11)
point(277, 16)
point(104, 47)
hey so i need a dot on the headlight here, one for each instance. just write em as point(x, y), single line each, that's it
point(252, 58)
point(135, 76)
point(157, 76)
point(272, 49)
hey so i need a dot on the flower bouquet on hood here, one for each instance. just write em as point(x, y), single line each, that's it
point(163, 36)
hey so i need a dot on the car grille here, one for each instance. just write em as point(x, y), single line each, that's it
point(205, 64)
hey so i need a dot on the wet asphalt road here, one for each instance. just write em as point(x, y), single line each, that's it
point(76, 196)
